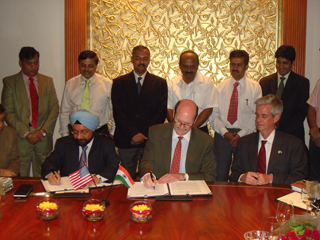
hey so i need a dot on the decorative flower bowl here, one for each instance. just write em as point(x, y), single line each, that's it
point(257, 235)
point(93, 210)
point(47, 209)
point(140, 211)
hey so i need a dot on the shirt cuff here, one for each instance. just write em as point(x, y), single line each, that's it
point(240, 177)
point(186, 177)
point(26, 133)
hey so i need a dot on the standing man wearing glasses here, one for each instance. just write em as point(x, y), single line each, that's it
point(82, 144)
point(178, 151)
point(233, 111)
point(32, 109)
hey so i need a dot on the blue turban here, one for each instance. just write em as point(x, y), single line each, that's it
point(86, 118)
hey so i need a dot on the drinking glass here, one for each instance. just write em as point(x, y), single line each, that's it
point(309, 194)
point(273, 226)
point(285, 211)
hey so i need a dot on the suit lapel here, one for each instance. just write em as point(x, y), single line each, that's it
point(290, 85)
point(21, 89)
point(254, 151)
point(165, 145)
point(192, 152)
point(131, 87)
point(93, 152)
point(274, 83)
point(276, 151)
point(147, 85)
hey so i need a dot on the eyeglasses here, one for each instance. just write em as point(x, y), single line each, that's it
point(186, 125)
point(82, 133)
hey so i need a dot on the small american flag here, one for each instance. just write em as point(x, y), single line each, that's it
point(80, 178)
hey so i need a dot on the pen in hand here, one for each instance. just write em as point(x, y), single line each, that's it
point(53, 172)
point(151, 176)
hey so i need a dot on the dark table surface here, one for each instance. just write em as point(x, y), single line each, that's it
point(232, 210)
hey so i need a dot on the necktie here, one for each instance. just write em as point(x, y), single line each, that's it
point(85, 103)
point(233, 107)
point(280, 88)
point(175, 165)
point(83, 157)
point(139, 85)
point(34, 102)
point(262, 158)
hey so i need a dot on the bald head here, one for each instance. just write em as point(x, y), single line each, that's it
point(185, 115)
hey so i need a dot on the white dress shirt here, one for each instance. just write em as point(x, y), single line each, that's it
point(100, 100)
point(267, 146)
point(314, 101)
point(200, 90)
point(248, 92)
point(136, 76)
point(184, 149)
point(89, 145)
point(284, 81)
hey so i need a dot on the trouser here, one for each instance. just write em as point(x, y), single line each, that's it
point(223, 152)
point(314, 153)
point(33, 154)
point(130, 157)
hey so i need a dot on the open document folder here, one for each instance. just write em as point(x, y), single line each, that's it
point(66, 185)
point(180, 188)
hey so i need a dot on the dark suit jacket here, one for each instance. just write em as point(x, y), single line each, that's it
point(287, 163)
point(16, 103)
point(135, 113)
point(294, 98)
point(200, 161)
point(102, 159)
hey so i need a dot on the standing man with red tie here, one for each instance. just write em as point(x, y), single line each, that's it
point(233, 111)
point(268, 155)
point(31, 109)
point(178, 151)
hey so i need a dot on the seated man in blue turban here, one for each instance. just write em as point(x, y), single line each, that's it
point(83, 146)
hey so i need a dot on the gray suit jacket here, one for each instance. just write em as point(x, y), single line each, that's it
point(200, 161)
point(287, 163)
point(16, 103)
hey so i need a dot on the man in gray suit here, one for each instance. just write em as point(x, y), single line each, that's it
point(269, 155)
point(177, 151)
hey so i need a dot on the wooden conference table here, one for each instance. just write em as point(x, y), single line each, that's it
point(232, 210)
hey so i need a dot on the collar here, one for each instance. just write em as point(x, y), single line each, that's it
point(270, 138)
point(241, 81)
point(83, 79)
point(286, 76)
point(26, 78)
point(136, 76)
point(195, 80)
point(186, 136)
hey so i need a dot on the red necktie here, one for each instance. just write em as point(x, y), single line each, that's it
point(175, 165)
point(34, 102)
point(262, 158)
point(233, 107)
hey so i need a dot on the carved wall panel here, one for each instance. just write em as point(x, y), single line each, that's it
point(212, 28)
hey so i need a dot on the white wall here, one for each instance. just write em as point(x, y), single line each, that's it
point(36, 23)
point(312, 70)
point(40, 23)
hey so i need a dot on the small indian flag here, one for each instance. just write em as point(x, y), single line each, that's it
point(124, 177)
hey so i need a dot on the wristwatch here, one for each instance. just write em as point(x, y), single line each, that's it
point(44, 133)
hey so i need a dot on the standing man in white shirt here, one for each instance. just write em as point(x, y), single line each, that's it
point(89, 91)
point(233, 111)
point(191, 84)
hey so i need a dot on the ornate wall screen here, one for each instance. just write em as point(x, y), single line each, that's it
point(211, 28)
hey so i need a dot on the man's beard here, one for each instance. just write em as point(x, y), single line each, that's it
point(82, 142)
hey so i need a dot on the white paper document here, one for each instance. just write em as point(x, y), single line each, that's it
point(138, 190)
point(196, 187)
point(65, 185)
point(295, 197)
